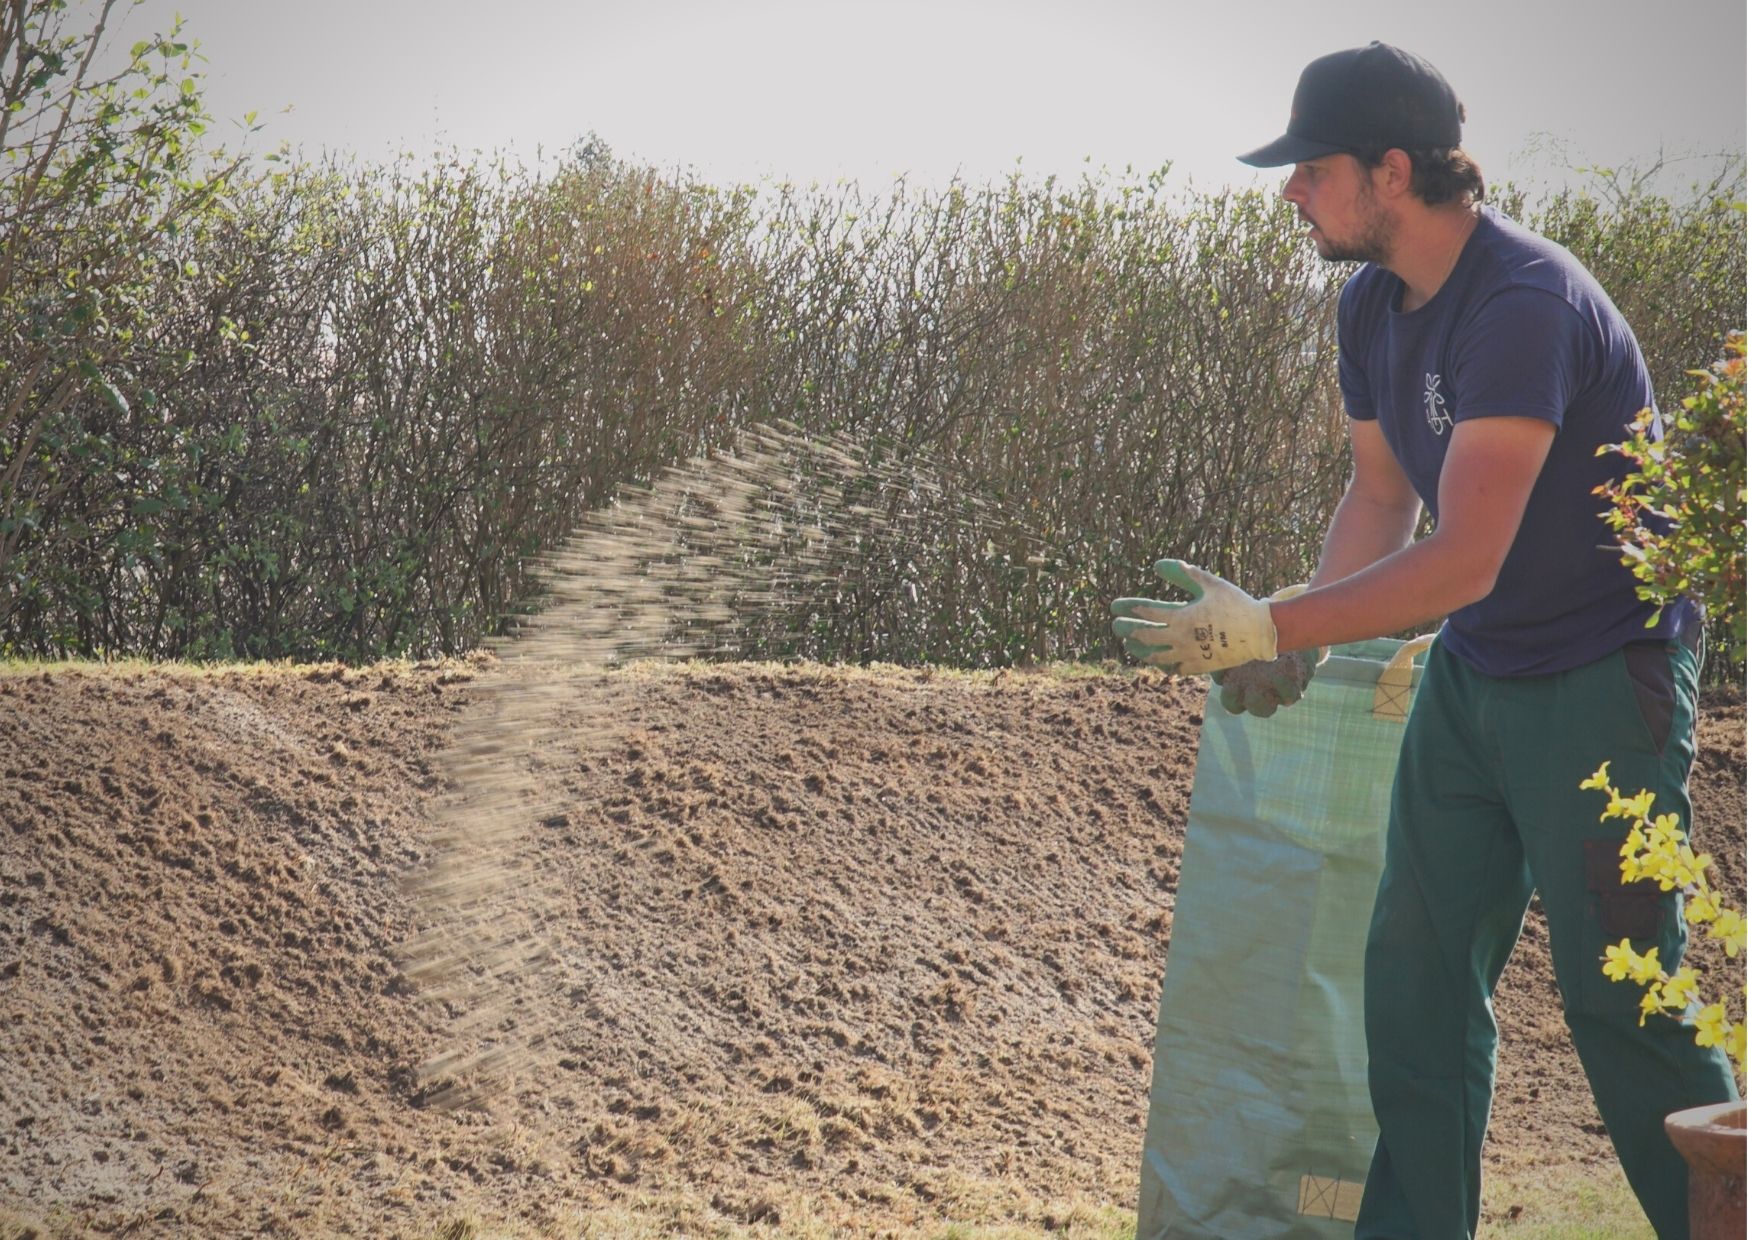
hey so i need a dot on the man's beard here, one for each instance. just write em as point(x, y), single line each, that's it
point(1372, 244)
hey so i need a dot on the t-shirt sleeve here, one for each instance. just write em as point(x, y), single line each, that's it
point(1526, 354)
point(1356, 389)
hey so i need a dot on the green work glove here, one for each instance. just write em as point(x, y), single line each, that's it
point(1221, 626)
point(1261, 688)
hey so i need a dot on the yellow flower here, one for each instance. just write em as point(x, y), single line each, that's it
point(1632, 858)
point(1656, 850)
point(1661, 867)
point(1649, 1006)
point(1711, 1026)
point(1731, 930)
point(1681, 990)
point(1619, 961)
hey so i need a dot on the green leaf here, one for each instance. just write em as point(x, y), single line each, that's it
point(105, 388)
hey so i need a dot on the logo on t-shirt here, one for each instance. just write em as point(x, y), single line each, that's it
point(1434, 400)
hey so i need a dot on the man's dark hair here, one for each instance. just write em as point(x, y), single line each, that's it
point(1441, 174)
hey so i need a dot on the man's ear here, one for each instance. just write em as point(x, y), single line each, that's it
point(1394, 175)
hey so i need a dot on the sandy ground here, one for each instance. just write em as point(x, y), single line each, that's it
point(837, 951)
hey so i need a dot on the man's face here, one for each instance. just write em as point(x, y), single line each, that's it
point(1334, 195)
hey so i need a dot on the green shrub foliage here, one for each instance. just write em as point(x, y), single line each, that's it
point(1679, 511)
point(101, 178)
point(265, 408)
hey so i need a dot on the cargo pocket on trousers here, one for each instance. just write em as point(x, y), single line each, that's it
point(1614, 911)
point(1623, 910)
point(1653, 680)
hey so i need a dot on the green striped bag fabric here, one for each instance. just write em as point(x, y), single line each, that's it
point(1259, 1123)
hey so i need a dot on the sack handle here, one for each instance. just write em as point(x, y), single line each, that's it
point(1395, 690)
point(1396, 683)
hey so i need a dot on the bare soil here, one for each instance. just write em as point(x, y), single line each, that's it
point(843, 952)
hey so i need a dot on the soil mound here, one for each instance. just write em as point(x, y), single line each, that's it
point(837, 950)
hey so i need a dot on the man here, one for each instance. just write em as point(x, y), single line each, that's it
point(1481, 367)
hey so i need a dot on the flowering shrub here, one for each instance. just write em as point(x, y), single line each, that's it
point(1656, 850)
point(1678, 517)
point(1678, 512)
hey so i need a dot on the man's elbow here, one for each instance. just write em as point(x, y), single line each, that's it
point(1471, 572)
point(1474, 586)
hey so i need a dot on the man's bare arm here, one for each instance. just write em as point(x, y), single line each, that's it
point(1489, 471)
point(1377, 513)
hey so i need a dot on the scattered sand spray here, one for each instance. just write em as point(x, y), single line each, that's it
point(743, 553)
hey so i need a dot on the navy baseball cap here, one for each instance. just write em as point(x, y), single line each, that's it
point(1367, 99)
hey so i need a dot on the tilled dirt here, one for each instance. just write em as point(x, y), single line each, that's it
point(839, 952)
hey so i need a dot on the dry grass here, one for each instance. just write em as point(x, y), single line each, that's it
point(463, 665)
point(1572, 1202)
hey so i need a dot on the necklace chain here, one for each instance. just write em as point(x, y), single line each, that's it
point(1463, 235)
point(1450, 264)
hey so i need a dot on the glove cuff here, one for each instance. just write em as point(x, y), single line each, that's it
point(1271, 635)
point(1281, 596)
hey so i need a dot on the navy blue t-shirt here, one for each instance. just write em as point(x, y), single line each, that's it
point(1519, 329)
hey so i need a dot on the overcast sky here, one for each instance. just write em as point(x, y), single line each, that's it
point(819, 89)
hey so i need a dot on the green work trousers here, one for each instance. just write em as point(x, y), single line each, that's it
point(1486, 810)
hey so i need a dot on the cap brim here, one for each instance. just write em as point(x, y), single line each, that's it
point(1289, 149)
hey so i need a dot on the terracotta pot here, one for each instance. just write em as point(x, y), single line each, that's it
point(1715, 1144)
